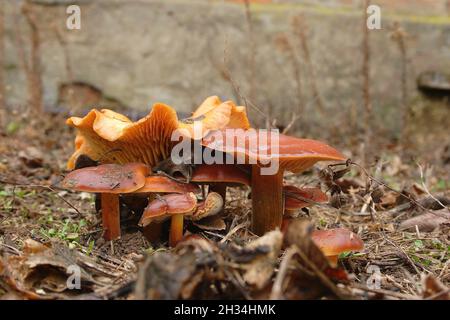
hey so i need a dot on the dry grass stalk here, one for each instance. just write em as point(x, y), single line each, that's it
point(277, 289)
point(366, 74)
point(285, 45)
point(247, 102)
point(300, 29)
point(399, 36)
point(252, 50)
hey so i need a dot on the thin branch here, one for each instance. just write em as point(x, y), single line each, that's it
point(295, 118)
point(424, 186)
point(370, 177)
point(385, 292)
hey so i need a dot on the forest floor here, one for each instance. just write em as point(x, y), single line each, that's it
point(44, 230)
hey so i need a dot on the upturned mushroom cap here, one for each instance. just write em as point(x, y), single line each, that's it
point(168, 205)
point(294, 154)
point(293, 197)
point(236, 116)
point(149, 139)
point(162, 184)
point(220, 173)
point(145, 141)
point(333, 242)
point(107, 178)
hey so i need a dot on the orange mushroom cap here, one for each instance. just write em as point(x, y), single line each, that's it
point(149, 139)
point(294, 154)
point(107, 178)
point(333, 242)
point(234, 116)
point(146, 141)
point(162, 184)
point(292, 202)
point(220, 173)
point(168, 205)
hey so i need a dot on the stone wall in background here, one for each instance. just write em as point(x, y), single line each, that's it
point(136, 52)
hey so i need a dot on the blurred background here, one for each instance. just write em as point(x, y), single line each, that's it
point(310, 67)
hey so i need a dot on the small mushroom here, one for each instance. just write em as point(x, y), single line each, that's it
point(298, 198)
point(333, 242)
point(220, 176)
point(291, 154)
point(176, 206)
point(109, 180)
point(162, 184)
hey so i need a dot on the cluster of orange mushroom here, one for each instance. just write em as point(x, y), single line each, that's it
point(129, 152)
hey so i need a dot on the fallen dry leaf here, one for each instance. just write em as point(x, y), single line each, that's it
point(177, 274)
point(258, 271)
point(163, 276)
point(41, 272)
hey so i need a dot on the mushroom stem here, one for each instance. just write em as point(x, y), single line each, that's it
point(267, 201)
point(176, 229)
point(221, 189)
point(110, 216)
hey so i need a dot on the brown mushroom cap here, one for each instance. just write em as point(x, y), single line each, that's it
point(220, 173)
point(107, 178)
point(333, 242)
point(281, 153)
point(292, 202)
point(168, 205)
point(294, 154)
point(162, 184)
